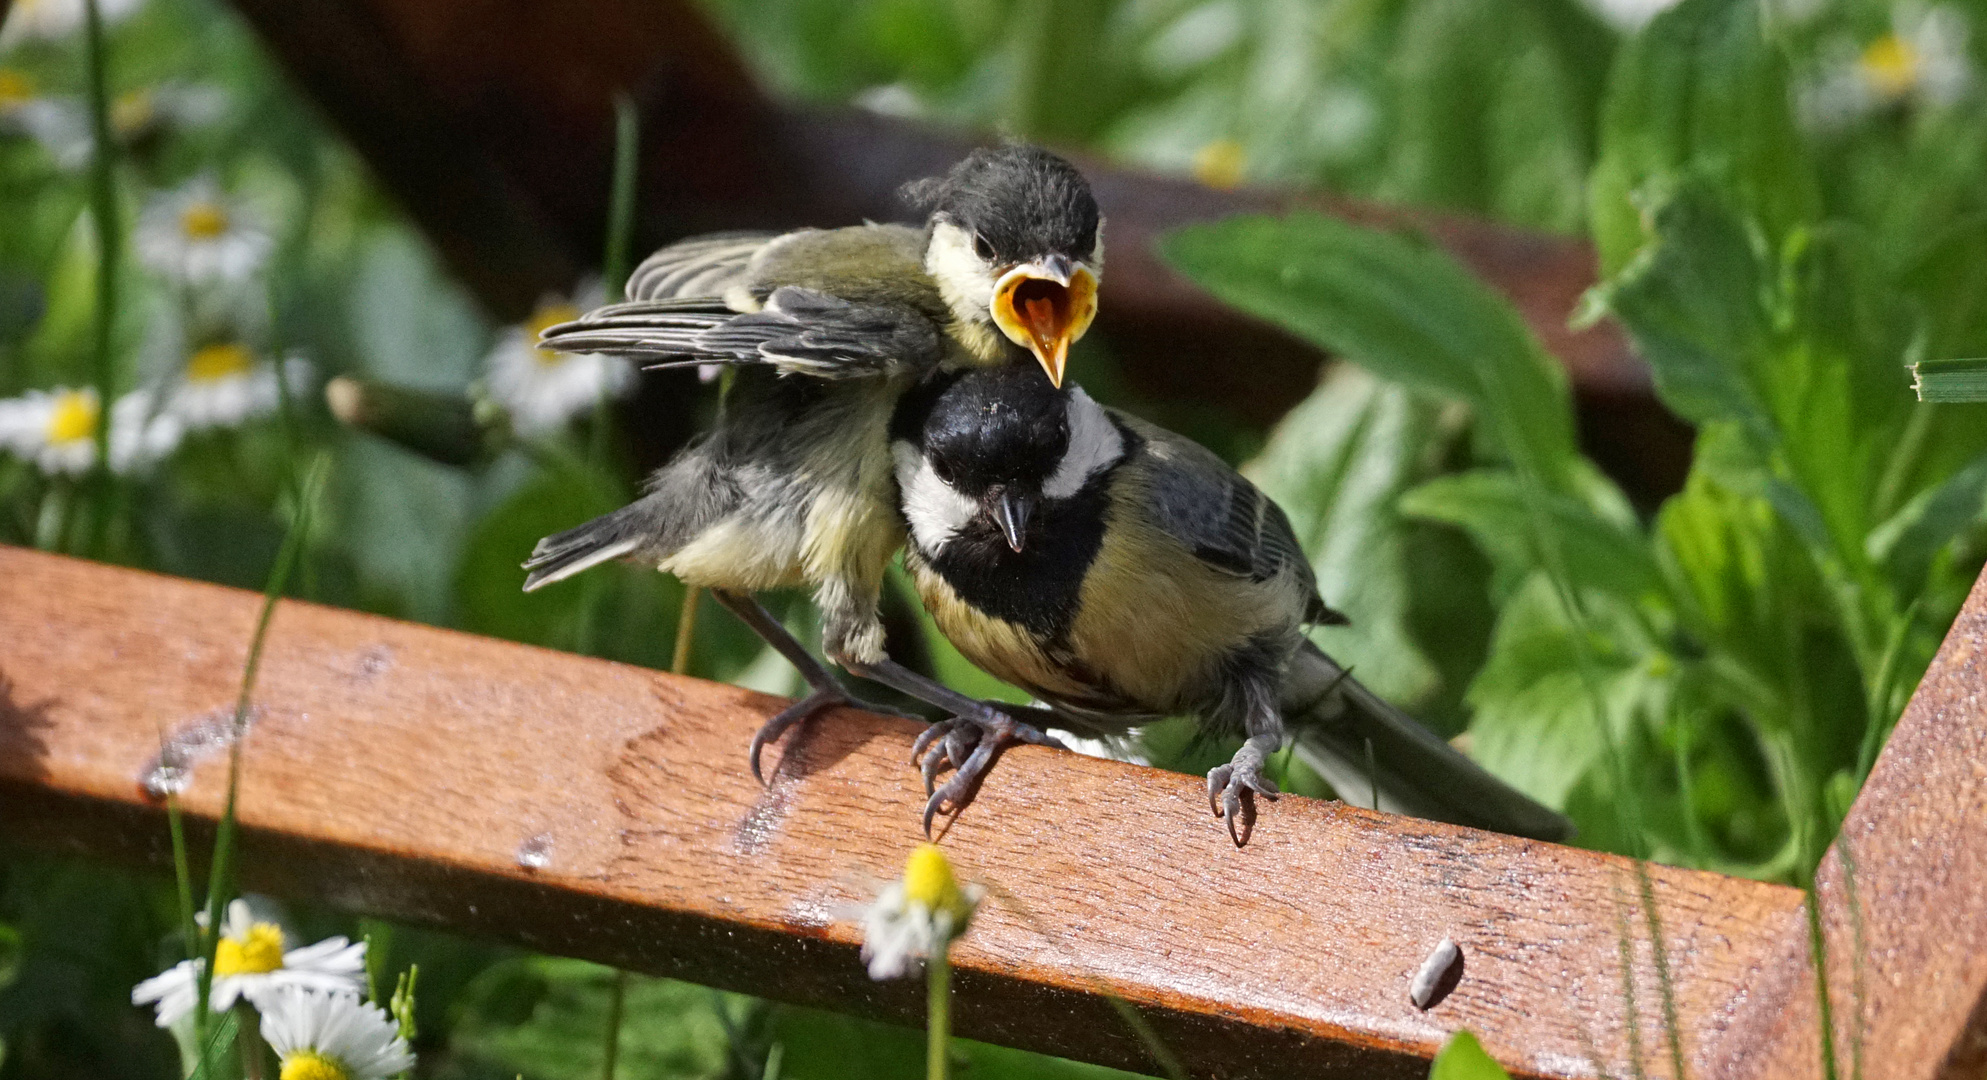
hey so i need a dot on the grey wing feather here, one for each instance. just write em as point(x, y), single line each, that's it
point(799, 331)
point(1224, 519)
point(701, 267)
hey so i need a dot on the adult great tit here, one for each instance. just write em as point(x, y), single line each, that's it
point(1121, 573)
point(793, 486)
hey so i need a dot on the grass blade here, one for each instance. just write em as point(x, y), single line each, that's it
point(1950, 381)
point(219, 881)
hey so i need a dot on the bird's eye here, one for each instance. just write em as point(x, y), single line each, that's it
point(982, 247)
point(941, 470)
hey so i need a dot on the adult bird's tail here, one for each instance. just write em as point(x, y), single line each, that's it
point(1335, 721)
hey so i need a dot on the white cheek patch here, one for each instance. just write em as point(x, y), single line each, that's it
point(932, 508)
point(964, 279)
point(1094, 445)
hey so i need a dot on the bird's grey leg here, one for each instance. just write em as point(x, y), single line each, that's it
point(825, 691)
point(1231, 788)
point(972, 740)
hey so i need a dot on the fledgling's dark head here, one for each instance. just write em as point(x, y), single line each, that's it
point(1016, 242)
point(996, 444)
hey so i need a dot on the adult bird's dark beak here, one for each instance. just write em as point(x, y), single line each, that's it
point(1045, 306)
point(1010, 511)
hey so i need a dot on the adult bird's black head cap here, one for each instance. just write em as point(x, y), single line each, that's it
point(996, 437)
point(1016, 239)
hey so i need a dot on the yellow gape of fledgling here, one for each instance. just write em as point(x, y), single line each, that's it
point(1120, 573)
point(793, 487)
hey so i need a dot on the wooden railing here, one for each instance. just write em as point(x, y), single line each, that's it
point(594, 809)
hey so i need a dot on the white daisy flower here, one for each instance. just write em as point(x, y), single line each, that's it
point(251, 963)
point(926, 910)
point(332, 1036)
point(1922, 61)
point(197, 235)
point(59, 124)
point(141, 432)
point(224, 385)
point(542, 389)
point(57, 430)
point(51, 20)
point(1629, 16)
point(135, 114)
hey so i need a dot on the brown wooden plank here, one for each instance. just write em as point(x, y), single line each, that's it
point(1908, 958)
point(403, 770)
point(491, 121)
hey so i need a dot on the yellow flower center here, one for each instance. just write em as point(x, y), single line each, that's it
point(1890, 66)
point(928, 880)
point(203, 221)
point(74, 418)
point(311, 1065)
point(547, 316)
point(257, 954)
point(216, 362)
point(132, 112)
point(15, 87)
point(1219, 164)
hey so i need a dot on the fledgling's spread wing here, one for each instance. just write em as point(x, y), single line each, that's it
point(798, 331)
point(702, 267)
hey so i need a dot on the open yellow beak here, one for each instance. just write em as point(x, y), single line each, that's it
point(1044, 306)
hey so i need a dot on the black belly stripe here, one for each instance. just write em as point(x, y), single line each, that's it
point(1039, 587)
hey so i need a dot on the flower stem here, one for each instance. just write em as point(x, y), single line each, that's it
point(219, 880)
point(110, 241)
point(938, 1011)
point(611, 1051)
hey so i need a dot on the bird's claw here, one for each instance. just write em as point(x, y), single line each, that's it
point(806, 708)
point(1231, 791)
point(969, 744)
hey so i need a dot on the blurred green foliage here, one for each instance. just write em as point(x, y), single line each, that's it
point(1749, 647)
point(1789, 202)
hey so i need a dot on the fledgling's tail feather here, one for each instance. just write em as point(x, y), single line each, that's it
point(561, 555)
point(1335, 720)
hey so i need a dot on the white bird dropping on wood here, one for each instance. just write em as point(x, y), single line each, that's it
point(1432, 982)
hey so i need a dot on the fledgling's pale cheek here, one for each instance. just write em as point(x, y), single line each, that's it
point(964, 279)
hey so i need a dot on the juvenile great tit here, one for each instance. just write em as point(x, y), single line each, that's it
point(793, 487)
point(1120, 573)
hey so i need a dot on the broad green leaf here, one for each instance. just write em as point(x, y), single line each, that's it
point(1534, 724)
point(1907, 542)
point(1491, 505)
point(1400, 308)
point(1693, 301)
point(1336, 464)
point(1463, 1058)
point(1700, 91)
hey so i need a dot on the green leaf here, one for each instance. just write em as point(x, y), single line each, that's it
point(1493, 108)
point(1534, 723)
point(1952, 381)
point(1700, 91)
point(1907, 542)
point(1463, 1058)
point(1491, 505)
point(219, 1061)
point(1692, 299)
point(1337, 463)
point(1400, 307)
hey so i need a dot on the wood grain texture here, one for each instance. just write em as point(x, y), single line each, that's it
point(403, 770)
point(1903, 897)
